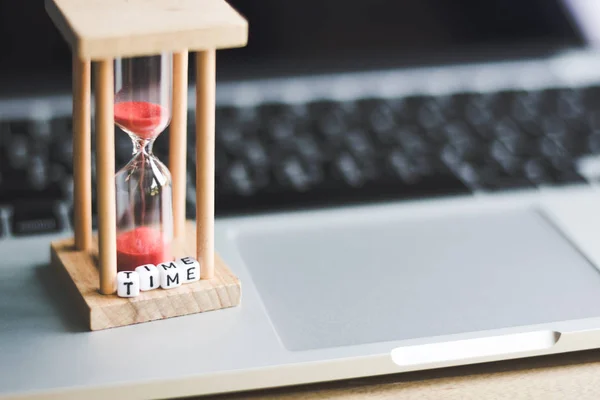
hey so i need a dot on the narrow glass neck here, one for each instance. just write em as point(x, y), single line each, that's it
point(142, 146)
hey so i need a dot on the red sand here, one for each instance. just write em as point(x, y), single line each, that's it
point(143, 245)
point(139, 117)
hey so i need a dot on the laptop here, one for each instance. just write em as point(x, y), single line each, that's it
point(400, 186)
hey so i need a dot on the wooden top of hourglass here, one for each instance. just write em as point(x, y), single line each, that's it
point(144, 27)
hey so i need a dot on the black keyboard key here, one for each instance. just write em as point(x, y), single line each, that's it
point(466, 144)
point(231, 138)
point(190, 210)
point(378, 115)
point(41, 130)
point(554, 127)
point(308, 148)
point(570, 104)
point(519, 145)
point(430, 114)
point(509, 182)
point(407, 108)
point(593, 143)
point(569, 177)
point(35, 217)
point(486, 132)
point(538, 171)
point(575, 145)
point(279, 129)
point(552, 149)
point(22, 127)
point(261, 177)
point(66, 188)
point(255, 154)
point(526, 106)
point(404, 168)
point(191, 123)
point(350, 170)
point(333, 119)
point(478, 113)
point(62, 126)
point(470, 175)
point(469, 150)
point(413, 140)
point(221, 161)
point(359, 145)
point(564, 136)
point(62, 152)
point(93, 171)
point(480, 175)
point(457, 132)
point(18, 151)
point(239, 179)
point(426, 166)
point(499, 103)
point(37, 174)
point(451, 132)
point(591, 98)
point(293, 174)
point(451, 157)
point(509, 163)
point(506, 127)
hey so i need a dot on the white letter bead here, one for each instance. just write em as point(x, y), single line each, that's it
point(169, 275)
point(149, 278)
point(189, 269)
point(128, 284)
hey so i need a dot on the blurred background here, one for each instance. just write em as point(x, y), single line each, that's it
point(313, 36)
point(338, 125)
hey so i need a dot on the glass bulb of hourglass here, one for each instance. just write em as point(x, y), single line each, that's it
point(143, 186)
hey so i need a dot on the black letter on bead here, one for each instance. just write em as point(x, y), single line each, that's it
point(190, 274)
point(167, 266)
point(128, 284)
point(174, 279)
point(187, 261)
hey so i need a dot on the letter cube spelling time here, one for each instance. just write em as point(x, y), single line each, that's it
point(128, 284)
point(190, 269)
point(98, 32)
point(149, 277)
point(169, 275)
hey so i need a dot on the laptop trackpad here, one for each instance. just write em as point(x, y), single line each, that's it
point(328, 285)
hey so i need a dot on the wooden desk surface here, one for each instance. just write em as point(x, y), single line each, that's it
point(568, 376)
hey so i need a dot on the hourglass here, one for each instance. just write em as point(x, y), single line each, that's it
point(143, 186)
point(139, 51)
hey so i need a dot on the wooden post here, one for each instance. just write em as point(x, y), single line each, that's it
point(82, 157)
point(205, 160)
point(105, 171)
point(178, 141)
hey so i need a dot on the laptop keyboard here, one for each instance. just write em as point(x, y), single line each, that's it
point(326, 153)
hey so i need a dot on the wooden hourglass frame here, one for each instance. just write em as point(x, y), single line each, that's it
point(98, 32)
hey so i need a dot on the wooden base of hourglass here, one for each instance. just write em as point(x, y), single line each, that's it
point(79, 272)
